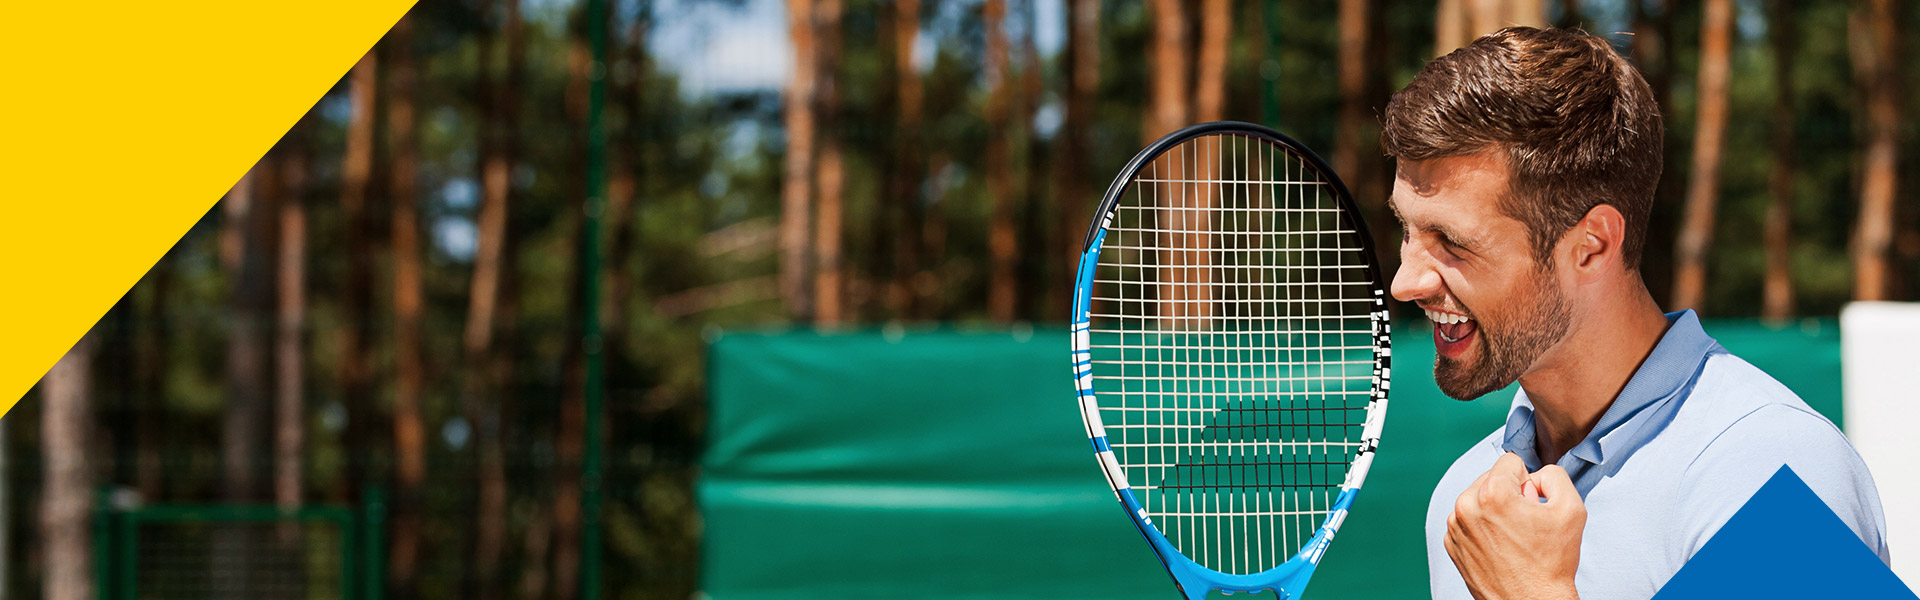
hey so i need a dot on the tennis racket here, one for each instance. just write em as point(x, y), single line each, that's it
point(1230, 348)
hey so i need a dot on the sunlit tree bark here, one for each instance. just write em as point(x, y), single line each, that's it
point(796, 190)
point(1184, 291)
point(1210, 85)
point(1354, 146)
point(66, 499)
point(829, 284)
point(289, 342)
point(1876, 59)
point(355, 363)
point(409, 426)
point(480, 347)
point(1170, 105)
point(1703, 188)
point(1457, 23)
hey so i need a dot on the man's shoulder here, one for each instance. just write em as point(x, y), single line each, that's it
point(1744, 426)
point(1732, 393)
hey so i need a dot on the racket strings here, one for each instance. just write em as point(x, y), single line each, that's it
point(1232, 348)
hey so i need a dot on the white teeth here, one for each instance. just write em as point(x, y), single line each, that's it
point(1446, 318)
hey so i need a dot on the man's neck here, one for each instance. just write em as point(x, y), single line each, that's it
point(1578, 379)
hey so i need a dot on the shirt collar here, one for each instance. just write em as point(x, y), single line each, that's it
point(1641, 410)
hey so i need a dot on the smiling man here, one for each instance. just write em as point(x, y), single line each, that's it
point(1526, 171)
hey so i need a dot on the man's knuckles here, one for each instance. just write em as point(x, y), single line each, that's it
point(1467, 505)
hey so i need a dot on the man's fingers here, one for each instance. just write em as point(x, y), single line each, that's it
point(1502, 483)
point(1509, 465)
point(1530, 491)
point(1554, 484)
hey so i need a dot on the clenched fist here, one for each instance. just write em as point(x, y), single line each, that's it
point(1508, 543)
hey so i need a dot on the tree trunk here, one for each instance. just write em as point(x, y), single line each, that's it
point(1449, 26)
point(485, 394)
point(290, 317)
point(1876, 56)
point(1457, 23)
point(569, 435)
point(244, 248)
point(796, 191)
point(1484, 16)
point(1778, 288)
point(356, 361)
point(1703, 189)
point(538, 545)
point(1356, 153)
point(1171, 71)
point(903, 199)
point(1216, 32)
point(1182, 204)
point(1002, 242)
point(1523, 12)
point(409, 428)
point(829, 284)
point(1072, 175)
point(1352, 142)
point(66, 501)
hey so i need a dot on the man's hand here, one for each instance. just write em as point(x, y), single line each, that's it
point(1510, 545)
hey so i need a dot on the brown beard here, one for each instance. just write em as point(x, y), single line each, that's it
point(1508, 345)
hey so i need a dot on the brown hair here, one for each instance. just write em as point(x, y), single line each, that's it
point(1578, 124)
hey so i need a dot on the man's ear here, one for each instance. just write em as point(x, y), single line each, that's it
point(1593, 247)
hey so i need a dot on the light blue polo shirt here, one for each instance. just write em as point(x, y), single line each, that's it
point(1690, 438)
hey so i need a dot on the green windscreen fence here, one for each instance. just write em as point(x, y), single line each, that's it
point(238, 551)
point(950, 464)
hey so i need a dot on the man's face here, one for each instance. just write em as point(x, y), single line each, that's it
point(1470, 266)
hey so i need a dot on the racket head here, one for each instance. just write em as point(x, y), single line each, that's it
point(1231, 353)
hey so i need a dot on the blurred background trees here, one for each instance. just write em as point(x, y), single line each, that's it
point(392, 297)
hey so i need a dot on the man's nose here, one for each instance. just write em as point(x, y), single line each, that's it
point(1416, 278)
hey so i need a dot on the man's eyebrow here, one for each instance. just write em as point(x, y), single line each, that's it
point(1457, 237)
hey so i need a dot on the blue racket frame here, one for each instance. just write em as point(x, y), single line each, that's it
point(1289, 579)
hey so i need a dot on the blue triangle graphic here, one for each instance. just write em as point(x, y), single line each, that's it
point(1783, 543)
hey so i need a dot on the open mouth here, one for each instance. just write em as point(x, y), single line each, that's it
point(1451, 331)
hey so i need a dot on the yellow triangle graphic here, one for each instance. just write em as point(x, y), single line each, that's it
point(122, 123)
